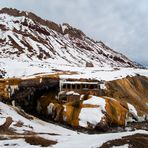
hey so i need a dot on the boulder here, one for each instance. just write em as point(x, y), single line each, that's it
point(93, 113)
point(115, 112)
point(89, 64)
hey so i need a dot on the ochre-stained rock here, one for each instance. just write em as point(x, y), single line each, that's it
point(44, 102)
point(71, 113)
point(116, 113)
point(133, 90)
point(95, 112)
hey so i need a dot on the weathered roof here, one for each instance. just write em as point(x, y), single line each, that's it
point(79, 82)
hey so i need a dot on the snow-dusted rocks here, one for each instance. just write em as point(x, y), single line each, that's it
point(27, 41)
point(93, 113)
point(132, 111)
point(28, 122)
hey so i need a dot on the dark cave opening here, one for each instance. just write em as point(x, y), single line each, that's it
point(27, 95)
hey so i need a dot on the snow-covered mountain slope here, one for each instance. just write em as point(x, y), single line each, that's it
point(29, 39)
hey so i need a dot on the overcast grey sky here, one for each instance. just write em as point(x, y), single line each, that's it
point(121, 24)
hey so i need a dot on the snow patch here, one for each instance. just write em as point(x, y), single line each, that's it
point(50, 108)
point(122, 146)
point(132, 110)
point(94, 100)
point(92, 116)
point(72, 93)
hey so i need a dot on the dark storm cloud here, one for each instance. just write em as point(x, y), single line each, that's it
point(122, 25)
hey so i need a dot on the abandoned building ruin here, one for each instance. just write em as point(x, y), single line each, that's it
point(76, 87)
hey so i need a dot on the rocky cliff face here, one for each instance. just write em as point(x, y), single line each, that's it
point(133, 90)
point(26, 37)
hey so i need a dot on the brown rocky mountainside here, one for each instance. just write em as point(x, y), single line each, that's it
point(28, 37)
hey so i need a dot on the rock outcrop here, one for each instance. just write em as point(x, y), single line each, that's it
point(93, 113)
point(133, 90)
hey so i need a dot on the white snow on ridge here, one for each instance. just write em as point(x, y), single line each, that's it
point(19, 68)
point(107, 75)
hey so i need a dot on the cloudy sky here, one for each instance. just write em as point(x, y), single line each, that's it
point(121, 24)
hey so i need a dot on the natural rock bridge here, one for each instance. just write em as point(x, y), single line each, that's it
point(25, 93)
point(38, 95)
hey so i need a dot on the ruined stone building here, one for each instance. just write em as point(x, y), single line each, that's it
point(74, 88)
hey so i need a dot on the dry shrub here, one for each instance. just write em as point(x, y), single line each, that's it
point(34, 140)
point(19, 124)
point(22, 113)
point(6, 125)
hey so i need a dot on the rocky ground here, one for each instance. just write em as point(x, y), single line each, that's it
point(134, 141)
point(114, 129)
point(18, 129)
